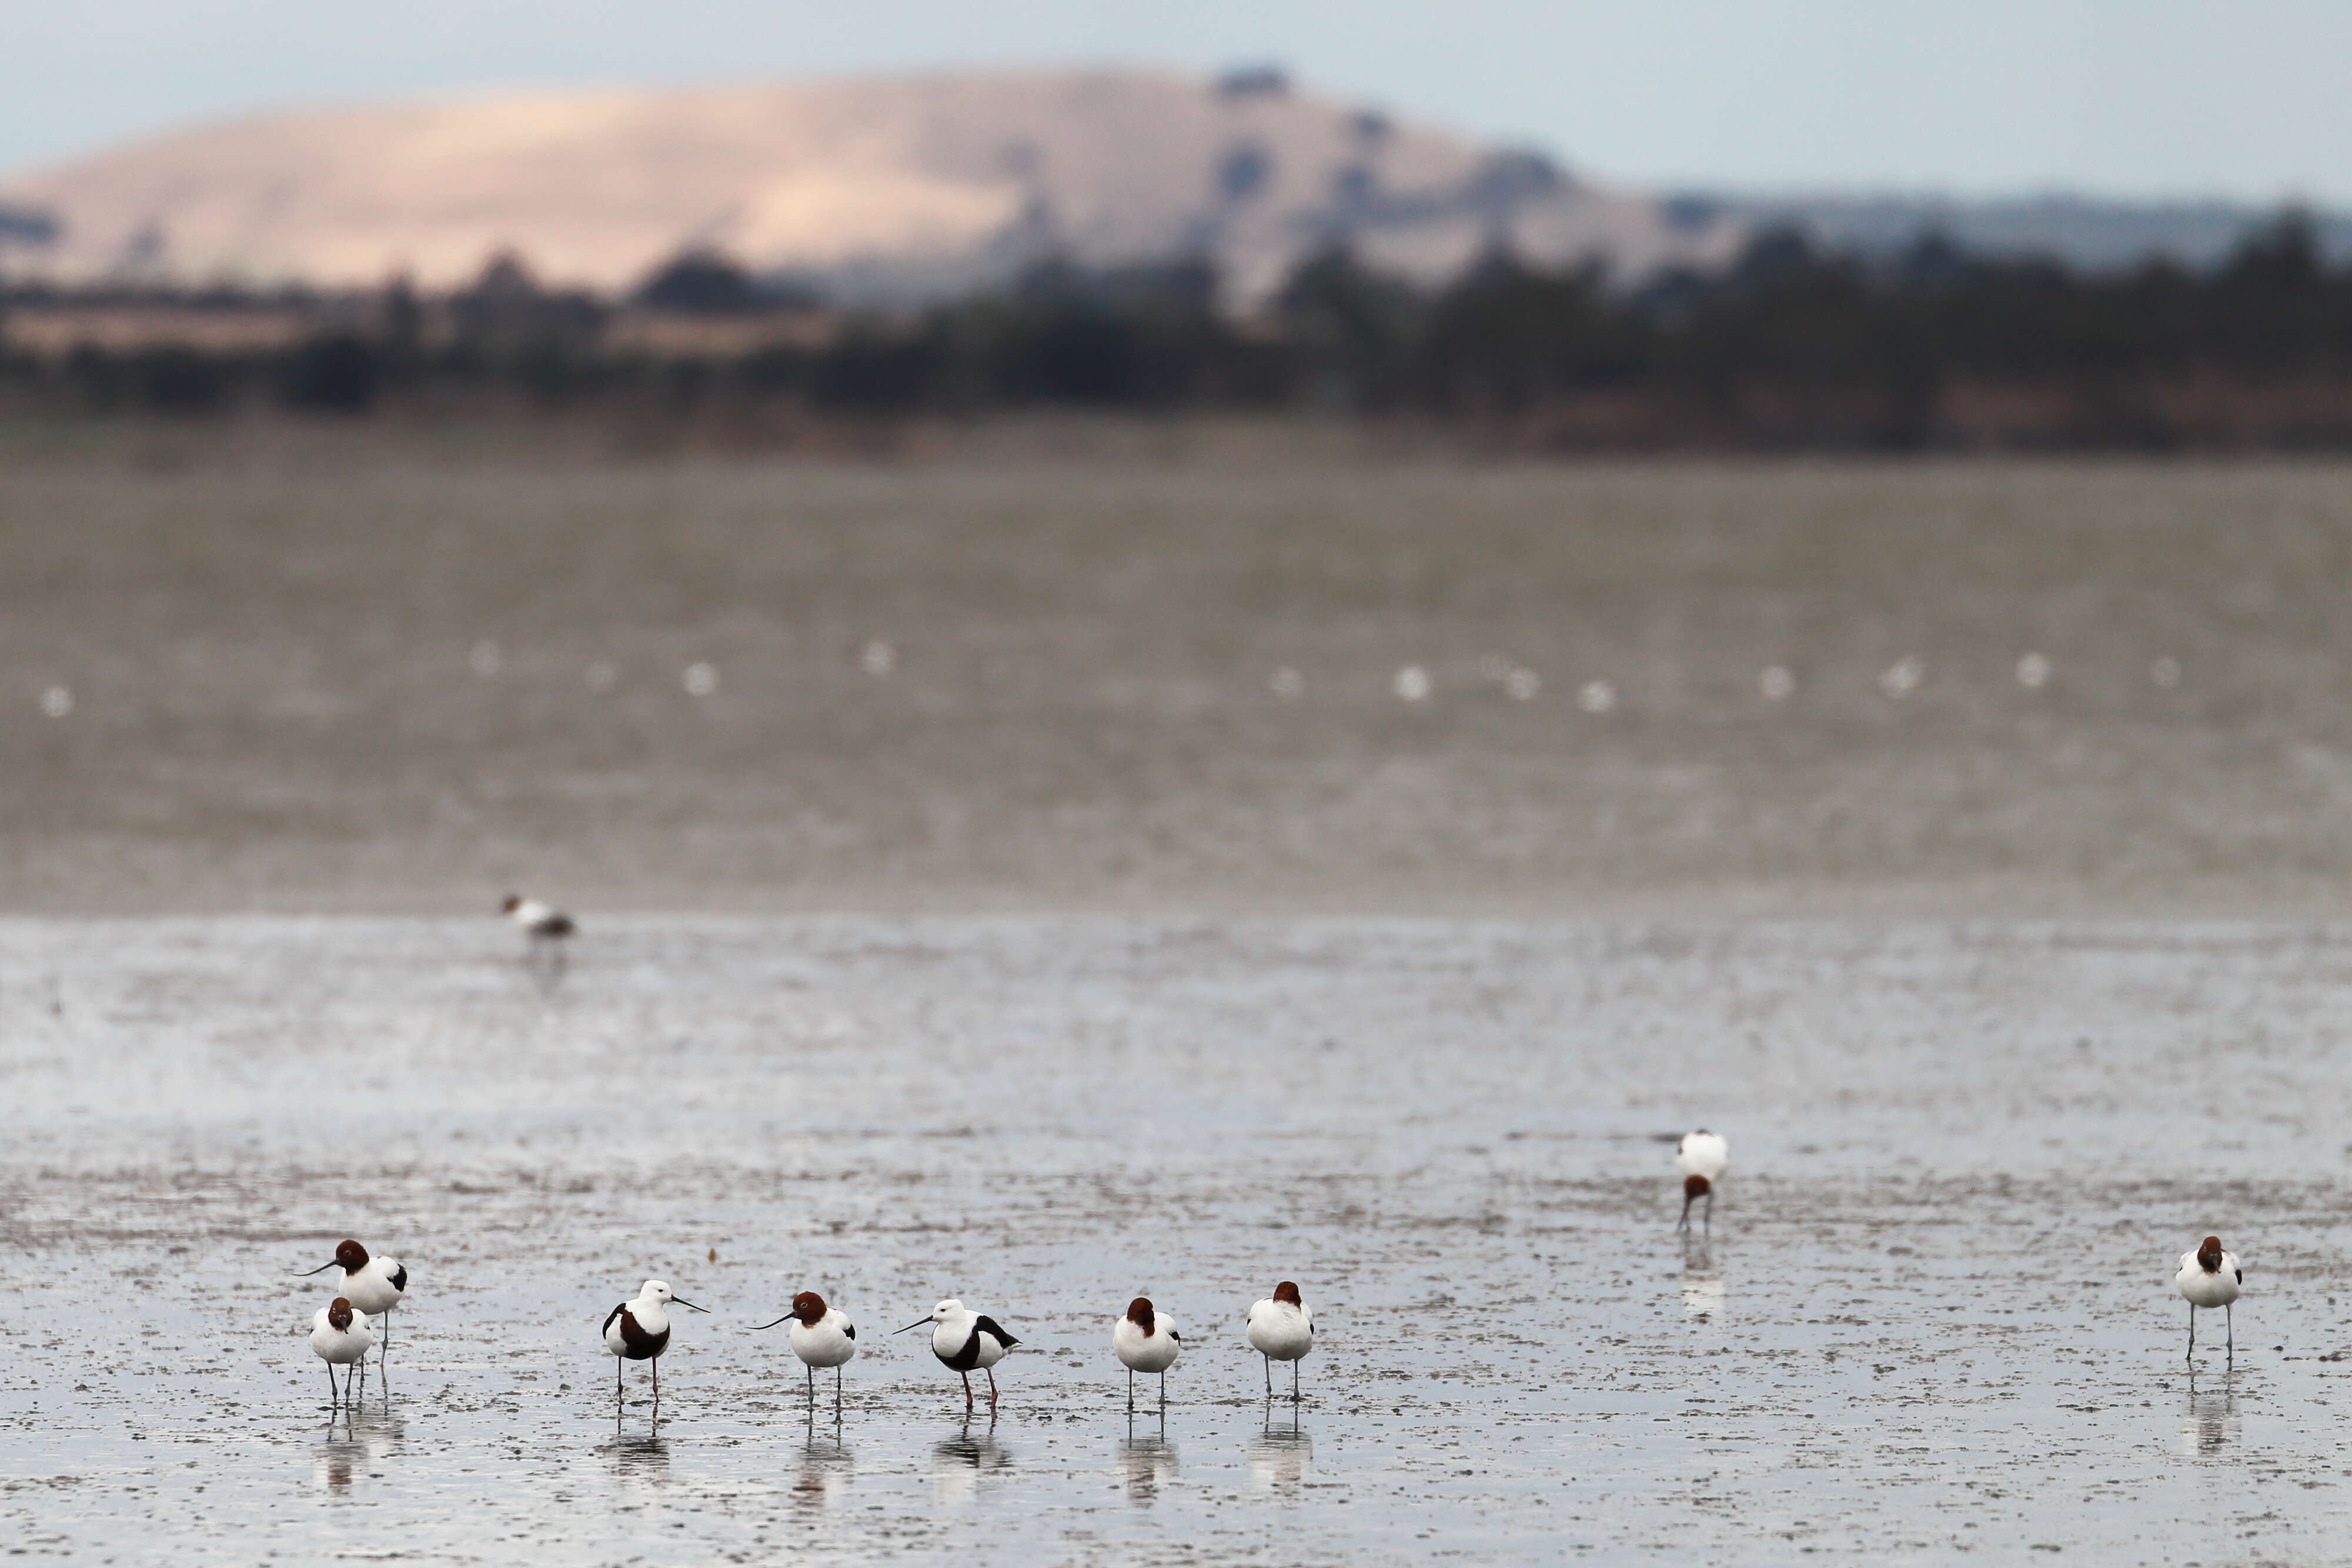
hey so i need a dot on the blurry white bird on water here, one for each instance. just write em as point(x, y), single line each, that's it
point(545, 928)
point(1702, 1156)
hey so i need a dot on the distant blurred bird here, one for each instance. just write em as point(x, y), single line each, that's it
point(639, 1330)
point(1147, 1341)
point(341, 1338)
point(1282, 1328)
point(820, 1337)
point(543, 924)
point(1702, 1156)
point(2209, 1277)
point(964, 1340)
point(371, 1285)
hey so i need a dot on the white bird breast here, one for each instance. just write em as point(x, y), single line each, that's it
point(340, 1347)
point(2205, 1290)
point(1156, 1352)
point(825, 1344)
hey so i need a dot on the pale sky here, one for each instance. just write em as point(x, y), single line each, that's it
point(2134, 98)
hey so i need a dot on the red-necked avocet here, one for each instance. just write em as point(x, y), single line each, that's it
point(1146, 1341)
point(340, 1335)
point(1702, 1156)
point(2209, 1277)
point(1282, 1328)
point(966, 1342)
point(639, 1330)
point(820, 1337)
point(373, 1285)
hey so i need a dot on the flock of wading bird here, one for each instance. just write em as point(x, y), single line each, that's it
point(1145, 1340)
point(1279, 1328)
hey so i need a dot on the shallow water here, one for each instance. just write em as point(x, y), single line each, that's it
point(1933, 1316)
point(401, 685)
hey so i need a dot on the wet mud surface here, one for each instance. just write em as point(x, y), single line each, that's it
point(1933, 1317)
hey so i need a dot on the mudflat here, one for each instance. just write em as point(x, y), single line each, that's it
point(1933, 1316)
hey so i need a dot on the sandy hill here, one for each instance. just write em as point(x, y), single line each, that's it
point(886, 186)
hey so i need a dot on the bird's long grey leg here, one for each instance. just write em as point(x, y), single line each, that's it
point(2230, 1327)
point(1710, 1208)
point(2192, 1333)
point(1269, 1374)
point(1130, 1391)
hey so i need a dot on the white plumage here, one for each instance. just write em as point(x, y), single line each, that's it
point(966, 1342)
point(341, 1337)
point(1702, 1156)
point(820, 1337)
point(1282, 1328)
point(1146, 1340)
point(2209, 1277)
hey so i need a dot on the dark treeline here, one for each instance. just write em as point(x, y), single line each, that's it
point(1791, 347)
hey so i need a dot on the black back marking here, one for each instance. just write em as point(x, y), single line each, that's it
point(400, 1278)
point(849, 1330)
point(991, 1326)
point(642, 1347)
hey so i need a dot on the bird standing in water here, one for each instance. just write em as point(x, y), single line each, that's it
point(544, 927)
point(1702, 1156)
point(1146, 1341)
point(371, 1285)
point(2209, 1277)
point(1282, 1328)
point(820, 1337)
point(964, 1341)
point(340, 1335)
point(639, 1330)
